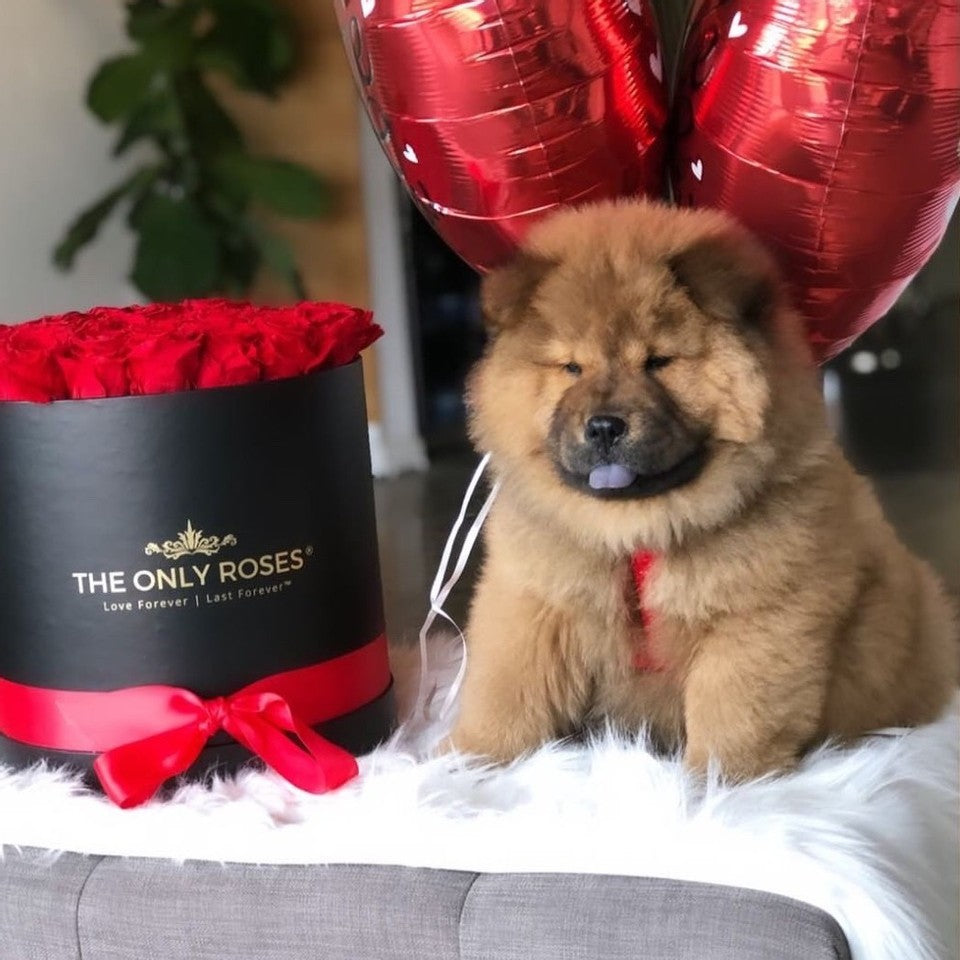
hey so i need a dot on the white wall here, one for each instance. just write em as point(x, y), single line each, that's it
point(55, 156)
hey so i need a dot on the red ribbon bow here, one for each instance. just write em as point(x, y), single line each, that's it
point(145, 735)
point(133, 772)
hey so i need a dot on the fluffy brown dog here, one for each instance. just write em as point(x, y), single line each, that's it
point(647, 387)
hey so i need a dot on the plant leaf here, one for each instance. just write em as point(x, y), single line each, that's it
point(241, 258)
point(210, 129)
point(146, 17)
point(156, 117)
point(87, 224)
point(278, 256)
point(169, 39)
point(178, 253)
point(252, 41)
point(119, 85)
point(286, 188)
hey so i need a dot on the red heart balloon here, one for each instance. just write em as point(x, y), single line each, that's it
point(831, 128)
point(493, 112)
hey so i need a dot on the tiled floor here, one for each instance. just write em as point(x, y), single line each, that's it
point(415, 513)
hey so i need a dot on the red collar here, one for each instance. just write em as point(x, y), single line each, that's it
point(644, 661)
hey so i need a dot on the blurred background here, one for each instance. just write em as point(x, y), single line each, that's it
point(310, 206)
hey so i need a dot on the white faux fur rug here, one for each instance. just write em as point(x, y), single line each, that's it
point(867, 834)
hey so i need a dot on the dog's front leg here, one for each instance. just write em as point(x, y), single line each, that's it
point(754, 695)
point(517, 692)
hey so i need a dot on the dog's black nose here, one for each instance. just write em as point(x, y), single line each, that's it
point(605, 430)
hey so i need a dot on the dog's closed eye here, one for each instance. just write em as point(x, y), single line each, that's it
point(656, 362)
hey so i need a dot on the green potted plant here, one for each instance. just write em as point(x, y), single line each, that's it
point(192, 205)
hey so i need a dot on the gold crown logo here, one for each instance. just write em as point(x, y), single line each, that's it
point(190, 542)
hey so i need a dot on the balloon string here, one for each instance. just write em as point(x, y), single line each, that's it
point(440, 589)
point(467, 549)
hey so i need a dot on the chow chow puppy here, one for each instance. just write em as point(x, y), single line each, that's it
point(648, 389)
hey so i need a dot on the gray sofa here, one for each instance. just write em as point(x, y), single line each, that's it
point(108, 908)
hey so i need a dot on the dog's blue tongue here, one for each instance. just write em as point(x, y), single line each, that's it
point(611, 476)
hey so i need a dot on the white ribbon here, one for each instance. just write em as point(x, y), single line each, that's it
point(440, 589)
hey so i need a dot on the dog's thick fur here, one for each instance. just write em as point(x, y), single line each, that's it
point(784, 608)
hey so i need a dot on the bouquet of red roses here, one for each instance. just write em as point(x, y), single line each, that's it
point(163, 348)
point(188, 555)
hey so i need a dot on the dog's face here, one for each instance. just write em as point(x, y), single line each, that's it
point(629, 380)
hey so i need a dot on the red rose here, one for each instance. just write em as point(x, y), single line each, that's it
point(28, 367)
point(228, 362)
point(161, 348)
point(163, 364)
point(93, 361)
point(91, 377)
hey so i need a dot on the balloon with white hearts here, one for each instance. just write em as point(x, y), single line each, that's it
point(829, 128)
point(759, 89)
point(492, 113)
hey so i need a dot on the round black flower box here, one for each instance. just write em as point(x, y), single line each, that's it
point(203, 540)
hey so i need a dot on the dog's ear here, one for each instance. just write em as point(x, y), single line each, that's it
point(506, 293)
point(733, 279)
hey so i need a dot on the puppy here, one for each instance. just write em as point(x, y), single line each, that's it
point(651, 408)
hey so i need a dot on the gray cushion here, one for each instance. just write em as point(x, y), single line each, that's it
point(107, 908)
point(578, 917)
point(38, 904)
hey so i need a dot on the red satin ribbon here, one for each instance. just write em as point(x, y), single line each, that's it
point(145, 735)
point(643, 660)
